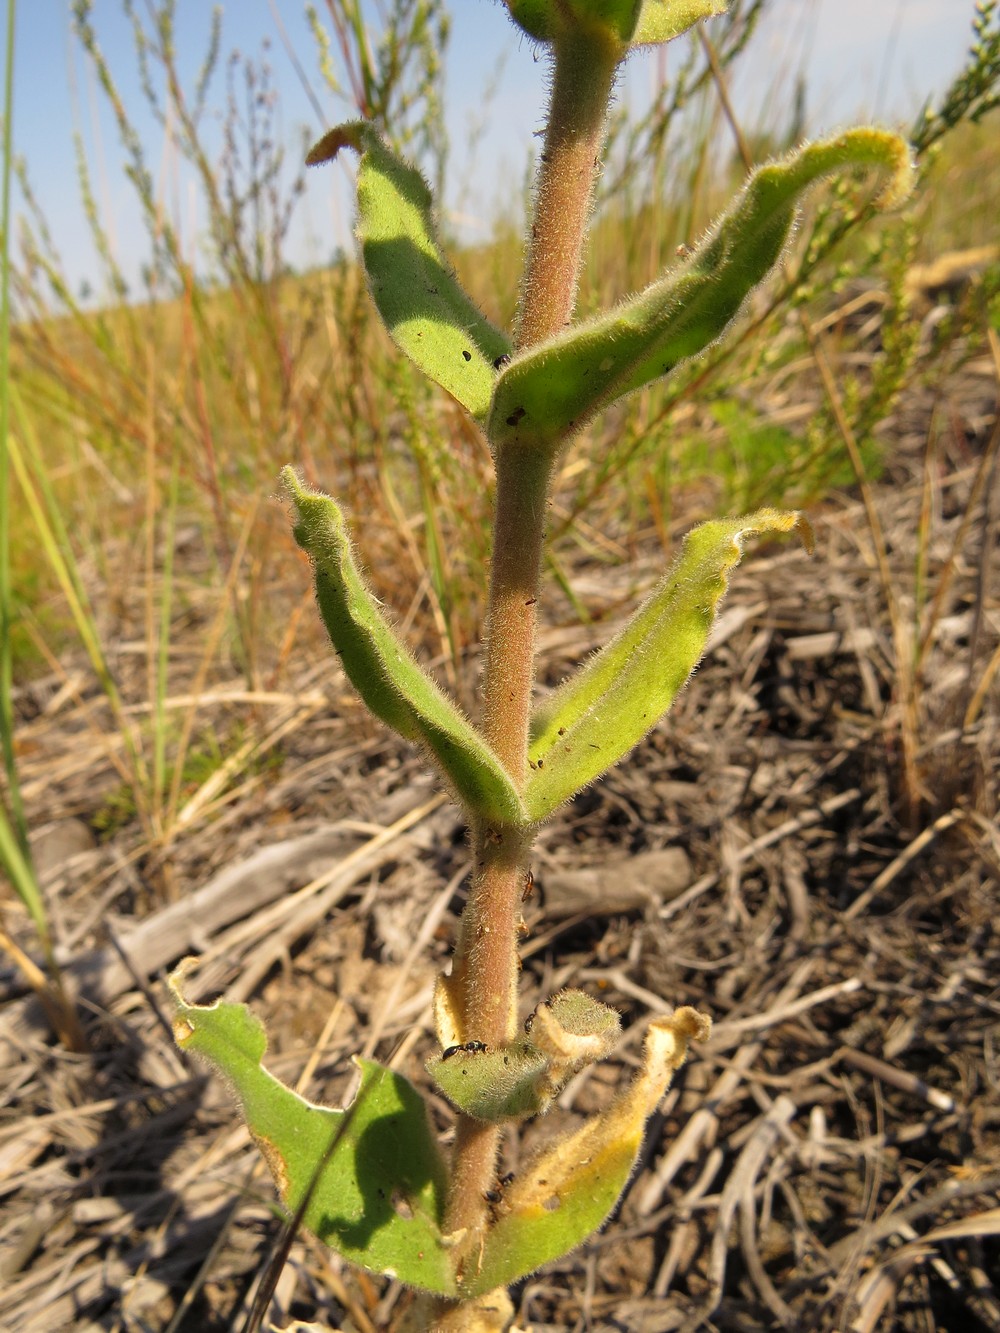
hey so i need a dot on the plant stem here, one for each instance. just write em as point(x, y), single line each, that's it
point(581, 90)
point(483, 981)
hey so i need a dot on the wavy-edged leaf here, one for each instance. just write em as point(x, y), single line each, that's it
point(381, 669)
point(601, 712)
point(426, 311)
point(551, 390)
point(567, 1192)
point(370, 1180)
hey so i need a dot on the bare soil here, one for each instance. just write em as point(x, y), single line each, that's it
point(803, 848)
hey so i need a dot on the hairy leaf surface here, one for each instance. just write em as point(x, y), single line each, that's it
point(663, 20)
point(631, 22)
point(563, 1196)
point(601, 712)
point(370, 1180)
point(550, 391)
point(426, 311)
point(380, 666)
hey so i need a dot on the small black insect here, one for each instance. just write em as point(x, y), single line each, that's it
point(473, 1047)
point(466, 355)
point(500, 361)
point(495, 1195)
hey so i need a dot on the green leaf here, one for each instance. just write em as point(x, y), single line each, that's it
point(567, 1192)
point(425, 310)
point(550, 391)
point(549, 20)
point(663, 20)
point(631, 22)
point(614, 19)
point(537, 18)
point(600, 713)
point(370, 1180)
point(383, 672)
point(492, 1085)
point(523, 1078)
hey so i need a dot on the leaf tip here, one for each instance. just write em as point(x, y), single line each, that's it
point(806, 532)
point(902, 171)
point(327, 148)
point(292, 483)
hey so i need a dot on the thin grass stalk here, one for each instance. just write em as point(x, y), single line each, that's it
point(19, 824)
point(920, 572)
point(442, 595)
point(211, 644)
point(54, 538)
point(17, 866)
point(722, 88)
point(983, 472)
point(150, 594)
point(15, 848)
point(161, 723)
point(903, 639)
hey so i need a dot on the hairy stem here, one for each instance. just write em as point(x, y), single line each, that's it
point(484, 972)
point(582, 78)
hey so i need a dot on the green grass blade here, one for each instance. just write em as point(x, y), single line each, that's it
point(18, 869)
point(18, 821)
point(161, 723)
point(54, 539)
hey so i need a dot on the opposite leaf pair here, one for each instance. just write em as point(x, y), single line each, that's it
point(581, 730)
point(539, 398)
point(371, 1181)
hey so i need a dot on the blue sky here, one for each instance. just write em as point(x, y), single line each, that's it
point(860, 57)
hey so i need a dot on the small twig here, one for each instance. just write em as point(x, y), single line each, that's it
point(906, 657)
point(738, 1193)
point(722, 88)
point(898, 1078)
point(723, 1033)
point(899, 864)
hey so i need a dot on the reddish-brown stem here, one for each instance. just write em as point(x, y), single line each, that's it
point(581, 90)
point(483, 983)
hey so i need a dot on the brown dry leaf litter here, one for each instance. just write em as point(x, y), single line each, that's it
point(829, 1161)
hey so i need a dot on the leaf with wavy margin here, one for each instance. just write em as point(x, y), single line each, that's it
point(564, 1195)
point(548, 392)
point(382, 670)
point(369, 1180)
point(601, 712)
